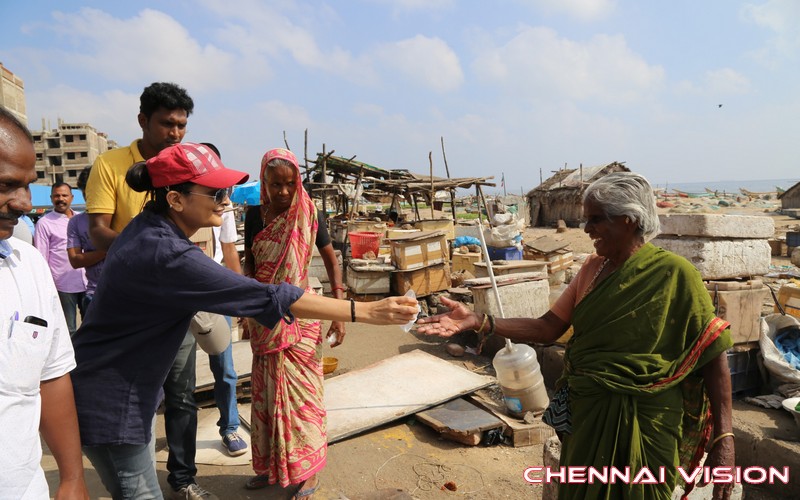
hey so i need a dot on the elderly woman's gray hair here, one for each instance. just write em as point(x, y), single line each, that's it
point(628, 194)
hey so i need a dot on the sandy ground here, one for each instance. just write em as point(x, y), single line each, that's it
point(396, 460)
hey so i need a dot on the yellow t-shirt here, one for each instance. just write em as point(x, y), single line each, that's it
point(106, 190)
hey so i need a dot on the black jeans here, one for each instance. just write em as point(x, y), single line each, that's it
point(180, 416)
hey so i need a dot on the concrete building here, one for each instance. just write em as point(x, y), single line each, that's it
point(12, 93)
point(62, 152)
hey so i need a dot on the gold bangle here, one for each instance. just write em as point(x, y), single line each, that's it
point(483, 323)
point(718, 438)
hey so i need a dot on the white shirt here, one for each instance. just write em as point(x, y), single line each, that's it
point(29, 354)
point(226, 233)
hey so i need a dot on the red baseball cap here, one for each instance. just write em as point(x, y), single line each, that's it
point(190, 162)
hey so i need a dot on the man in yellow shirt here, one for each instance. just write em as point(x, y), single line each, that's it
point(164, 111)
point(163, 114)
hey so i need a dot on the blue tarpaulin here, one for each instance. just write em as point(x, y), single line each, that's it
point(248, 193)
point(40, 197)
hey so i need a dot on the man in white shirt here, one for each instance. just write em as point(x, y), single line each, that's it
point(36, 353)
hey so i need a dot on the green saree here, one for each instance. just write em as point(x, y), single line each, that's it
point(635, 395)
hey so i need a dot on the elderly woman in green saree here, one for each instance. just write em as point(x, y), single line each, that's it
point(646, 380)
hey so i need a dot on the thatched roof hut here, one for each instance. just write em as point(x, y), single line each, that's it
point(790, 198)
point(561, 196)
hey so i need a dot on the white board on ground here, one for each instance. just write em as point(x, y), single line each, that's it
point(394, 388)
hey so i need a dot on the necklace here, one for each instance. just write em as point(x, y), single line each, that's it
point(594, 279)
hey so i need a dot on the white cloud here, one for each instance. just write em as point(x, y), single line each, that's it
point(782, 17)
point(270, 35)
point(538, 62)
point(288, 116)
point(113, 112)
point(726, 81)
point(399, 6)
point(585, 10)
point(425, 61)
point(148, 46)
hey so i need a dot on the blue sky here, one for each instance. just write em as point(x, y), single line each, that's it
point(513, 86)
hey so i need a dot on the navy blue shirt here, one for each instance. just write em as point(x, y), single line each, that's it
point(153, 282)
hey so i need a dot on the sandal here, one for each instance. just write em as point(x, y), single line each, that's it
point(301, 493)
point(257, 482)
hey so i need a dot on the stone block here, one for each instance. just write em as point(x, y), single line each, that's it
point(717, 225)
point(529, 299)
point(718, 258)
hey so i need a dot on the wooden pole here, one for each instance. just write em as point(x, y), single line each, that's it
point(433, 191)
point(285, 141)
point(324, 179)
point(452, 190)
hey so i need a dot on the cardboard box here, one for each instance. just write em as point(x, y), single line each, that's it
point(366, 226)
point(423, 281)
point(445, 225)
point(557, 260)
point(394, 233)
point(418, 250)
point(789, 299)
point(465, 261)
point(512, 267)
point(739, 303)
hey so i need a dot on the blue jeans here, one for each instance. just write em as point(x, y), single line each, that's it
point(225, 389)
point(87, 299)
point(180, 415)
point(70, 303)
point(126, 470)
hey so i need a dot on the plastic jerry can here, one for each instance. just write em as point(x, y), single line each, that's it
point(520, 379)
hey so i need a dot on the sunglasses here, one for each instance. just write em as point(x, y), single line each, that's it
point(220, 195)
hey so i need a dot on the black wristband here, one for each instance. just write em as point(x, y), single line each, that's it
point(352, 310)
point(491, 326)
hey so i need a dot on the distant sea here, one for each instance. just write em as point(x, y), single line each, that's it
point(731, 186)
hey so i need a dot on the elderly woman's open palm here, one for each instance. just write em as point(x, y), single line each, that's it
point(459, 318)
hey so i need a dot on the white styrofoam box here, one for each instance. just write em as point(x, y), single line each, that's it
point(369, 278)
point(317, 267)
point(720, 258)
point(717, 225)
point(529, 299)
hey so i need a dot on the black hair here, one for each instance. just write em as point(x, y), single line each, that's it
point(7, 117)
point(138, 178)
point(164, 95)
point(58, 185)
point(83, 178)
point(212, 148)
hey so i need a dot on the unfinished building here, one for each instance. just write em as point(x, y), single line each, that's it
point(62, 152)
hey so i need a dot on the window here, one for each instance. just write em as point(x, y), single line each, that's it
point(69, 138)
point(84, 154)
point(82, 137)
point(70, 156)
point(40, 174)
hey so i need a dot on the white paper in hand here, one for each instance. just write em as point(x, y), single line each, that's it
point(408, 326)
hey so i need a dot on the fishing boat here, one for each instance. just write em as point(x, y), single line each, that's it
point(765, 195)
point(720, 194)
point(685, 194)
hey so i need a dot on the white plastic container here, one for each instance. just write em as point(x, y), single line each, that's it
point(520, 379)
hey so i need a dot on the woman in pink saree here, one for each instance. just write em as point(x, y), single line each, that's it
point(289, 441)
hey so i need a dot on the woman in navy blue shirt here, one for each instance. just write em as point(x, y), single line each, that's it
point(153, 282)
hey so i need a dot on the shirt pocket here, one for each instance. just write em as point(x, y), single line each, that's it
point(23, 350)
